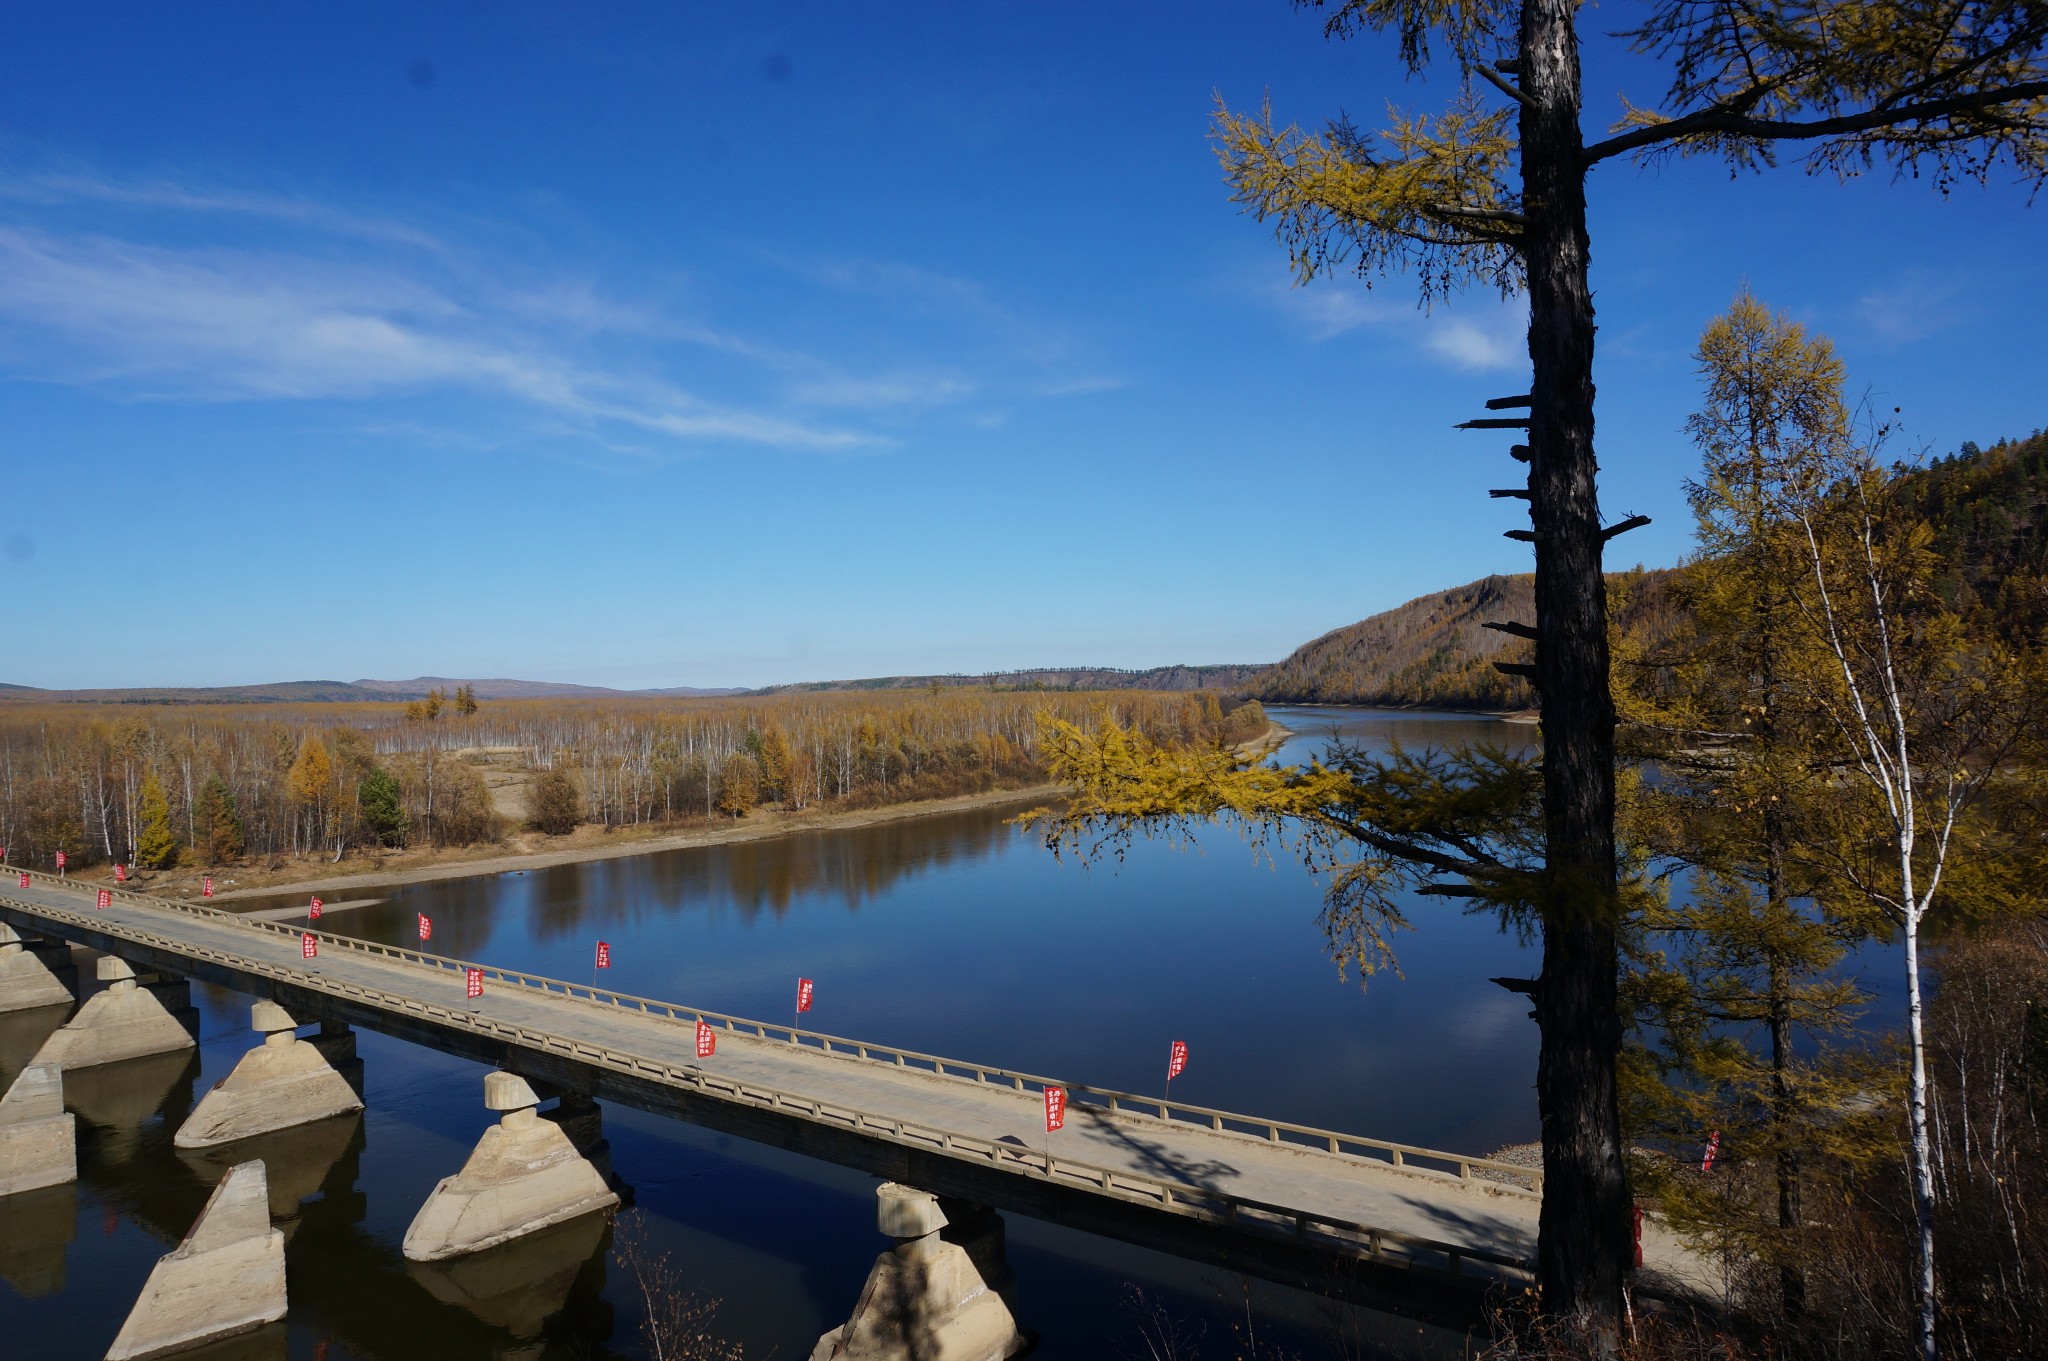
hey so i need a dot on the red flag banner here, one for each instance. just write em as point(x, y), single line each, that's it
point(1713, 1148)
point(707, 1040)
point(472, 980)
point(120, 874)
point(1055, 1108)
point(1176, 1059)
point(309, 946)
point(804, 988)
point(427, 931)
point(206, 886)
point(24, 879)
point(60, 860)
point(314, 912)
point(604, 955)
point(106, 899)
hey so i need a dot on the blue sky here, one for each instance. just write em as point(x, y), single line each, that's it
point(647, 345)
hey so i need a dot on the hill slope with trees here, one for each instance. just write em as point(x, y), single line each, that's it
point(1436, 651)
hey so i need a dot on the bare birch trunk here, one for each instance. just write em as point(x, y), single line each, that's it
point(1923, 1151)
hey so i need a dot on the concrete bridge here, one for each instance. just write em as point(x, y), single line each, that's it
point(1392, 1225)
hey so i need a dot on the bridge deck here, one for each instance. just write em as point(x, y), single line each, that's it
point(1285, 1202)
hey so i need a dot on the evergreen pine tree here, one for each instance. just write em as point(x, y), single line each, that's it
point(219, 822)
point(379, 803)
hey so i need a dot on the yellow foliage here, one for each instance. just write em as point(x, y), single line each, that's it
point(311, 773)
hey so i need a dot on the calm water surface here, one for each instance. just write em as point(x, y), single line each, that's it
point(958, 934)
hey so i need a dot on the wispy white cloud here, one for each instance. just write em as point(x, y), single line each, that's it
point(1013, 338)
point(892, 391)
point(1327, 312)
point(911, 284)
point(1475, 345)
point(172, 290)
point(223, 324)
point(1476, 334)
point(1915, 305)
point(59, 188)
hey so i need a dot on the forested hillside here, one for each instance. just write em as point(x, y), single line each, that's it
point(1436, 651)
point(1221, 676)
point(1988, 510)
point(1431, 651)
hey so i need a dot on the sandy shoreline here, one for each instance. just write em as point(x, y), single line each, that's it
point(759, 826)
point(1265, 744)
point(234, 882)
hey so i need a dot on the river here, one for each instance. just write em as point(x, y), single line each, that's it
point(957, 934)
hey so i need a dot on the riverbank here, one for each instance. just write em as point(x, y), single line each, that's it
point(1265, 744)
point(1505, 715)
point(532, 850)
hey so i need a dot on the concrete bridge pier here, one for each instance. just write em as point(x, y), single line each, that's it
point(126, 1021)
point(525, 1174)
point(581, 1120)
point(282, 1082)
point(38, 1137)
point(225, 1279)
point(34, 972)
point(940, 1294)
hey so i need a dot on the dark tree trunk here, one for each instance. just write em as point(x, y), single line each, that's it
point(1584, 1251)
point(1791, 1281)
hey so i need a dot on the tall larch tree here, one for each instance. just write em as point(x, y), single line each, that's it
point(1493, 191)
point(1735, 996)
point(307, 782)
point(218, 822)
point(156, 845)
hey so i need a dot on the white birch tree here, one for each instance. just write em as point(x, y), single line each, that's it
point(1924, 719)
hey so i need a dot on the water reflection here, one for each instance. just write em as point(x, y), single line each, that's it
point(320, 1160)
point(22, 1033)
point(120, 1101)
point(1380, 730)
point(40, 1227)
point(955, 934)
point(520, 1285)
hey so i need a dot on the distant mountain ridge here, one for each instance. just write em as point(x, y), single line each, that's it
point(398, 691)
point(337, 692)
point(418, 686)
point(1222, 676)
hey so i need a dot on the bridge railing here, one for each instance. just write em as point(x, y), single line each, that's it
point(1383, 1247)
point(1507, 1178)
